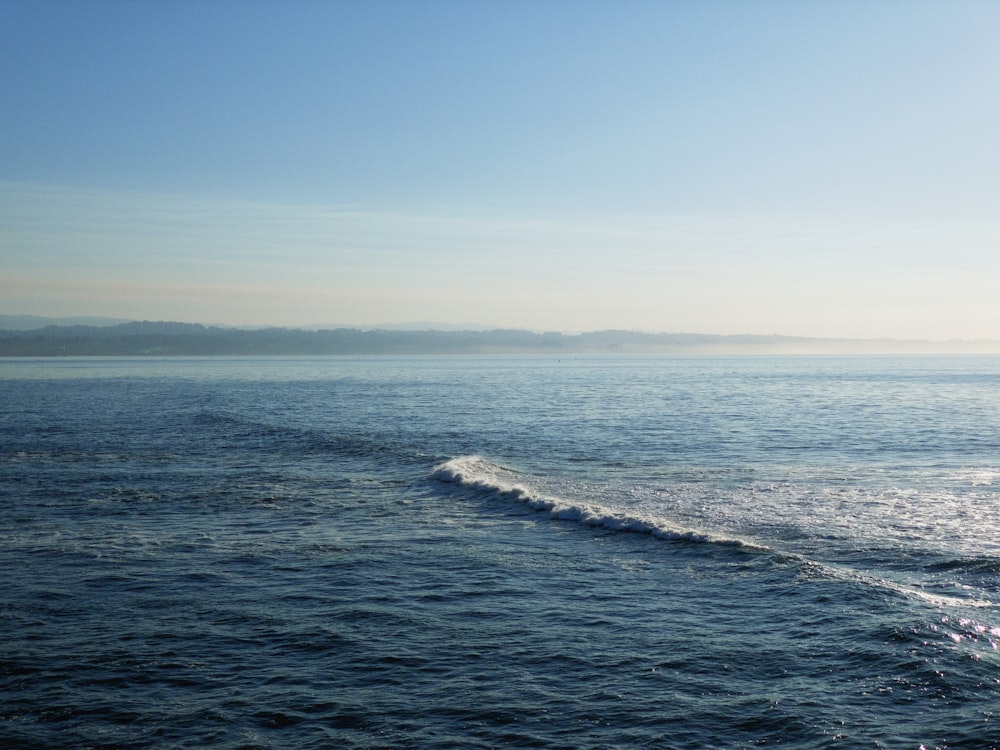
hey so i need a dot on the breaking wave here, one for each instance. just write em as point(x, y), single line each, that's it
point(484, 476)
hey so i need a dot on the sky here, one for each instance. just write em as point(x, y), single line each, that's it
point(772, 167)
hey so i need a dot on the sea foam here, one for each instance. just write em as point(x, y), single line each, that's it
point(484, 476)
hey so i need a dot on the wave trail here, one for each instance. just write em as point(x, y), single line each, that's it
point(482, 475)
point(490, 479)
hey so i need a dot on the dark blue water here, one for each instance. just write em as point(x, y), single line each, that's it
point(500, 552)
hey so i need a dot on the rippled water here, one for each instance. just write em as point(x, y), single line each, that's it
point(500, 552)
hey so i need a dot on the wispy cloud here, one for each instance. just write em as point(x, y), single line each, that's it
point(257, 262)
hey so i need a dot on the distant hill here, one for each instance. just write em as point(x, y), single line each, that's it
point(166, 338)
point(32, 322)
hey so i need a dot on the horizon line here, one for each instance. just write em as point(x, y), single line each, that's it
point(101, 321)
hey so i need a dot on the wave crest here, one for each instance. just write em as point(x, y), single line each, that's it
point(484, 476)
point(489, 479)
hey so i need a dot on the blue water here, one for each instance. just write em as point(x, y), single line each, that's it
point(595, 552)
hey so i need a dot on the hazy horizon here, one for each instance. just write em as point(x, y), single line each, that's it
point(816, 170)
point(30, 323)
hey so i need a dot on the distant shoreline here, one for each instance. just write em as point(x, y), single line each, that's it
point(188, 339)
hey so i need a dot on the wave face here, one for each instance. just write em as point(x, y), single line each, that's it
point(481, 475)
point(493, 481)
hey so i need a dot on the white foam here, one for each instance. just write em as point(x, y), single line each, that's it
point(873, 580)
point(480, 474)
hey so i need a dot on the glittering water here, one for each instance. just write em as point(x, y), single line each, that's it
point(500, 552)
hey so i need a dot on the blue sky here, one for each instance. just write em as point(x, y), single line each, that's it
point(825, 168)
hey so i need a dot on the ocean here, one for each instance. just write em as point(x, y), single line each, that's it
point(500, 552)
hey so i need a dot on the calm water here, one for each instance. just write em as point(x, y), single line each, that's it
point(500, 552)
